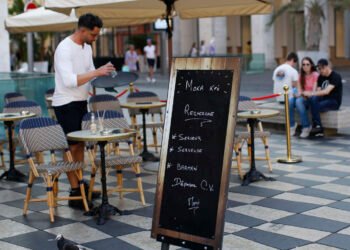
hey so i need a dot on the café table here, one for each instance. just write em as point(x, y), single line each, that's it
point(144, 107)
point(252, 117)
point(105, 209)
point(12, 174)
point(109, 82)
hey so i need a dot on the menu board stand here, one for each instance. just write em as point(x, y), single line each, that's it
point(196, 154)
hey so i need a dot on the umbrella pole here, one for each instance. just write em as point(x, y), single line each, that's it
point(170, 52)
point(30, 53)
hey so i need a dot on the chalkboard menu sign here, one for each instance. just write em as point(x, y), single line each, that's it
point(196, 153)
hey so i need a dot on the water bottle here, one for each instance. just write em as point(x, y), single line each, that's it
point(93, 125)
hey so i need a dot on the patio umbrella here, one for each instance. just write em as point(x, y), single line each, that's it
point(40, 19)
point(157, 8)
point(162, 9)
point(45, 20)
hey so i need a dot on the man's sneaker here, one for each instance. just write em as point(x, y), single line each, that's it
point(317, 131)
point(153, 80)
point(305, 132)
point(148, 79)
point(293, 129)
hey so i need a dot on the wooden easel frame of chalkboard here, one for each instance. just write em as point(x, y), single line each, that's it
point(177, 234)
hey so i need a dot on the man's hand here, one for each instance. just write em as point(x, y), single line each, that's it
point(105, 69)
point(307, 93)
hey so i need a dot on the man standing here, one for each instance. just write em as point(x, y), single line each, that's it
point(150, 53)
point(202, 49)
point(285, 74)
point(328, 95)
point(74, 69)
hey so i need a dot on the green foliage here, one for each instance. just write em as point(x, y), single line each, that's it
point(17, 7)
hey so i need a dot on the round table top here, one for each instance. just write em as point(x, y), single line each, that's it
point(258, 113)
point(14, 116)
point(142, 105)
point(121, 79)
point(112, 134)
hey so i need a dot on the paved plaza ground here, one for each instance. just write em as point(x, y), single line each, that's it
point(307, 207)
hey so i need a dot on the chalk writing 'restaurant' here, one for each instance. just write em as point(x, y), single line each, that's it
point(189, 112)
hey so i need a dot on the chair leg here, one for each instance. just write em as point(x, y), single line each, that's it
point(139, 183)
point(249, 150)
point(28, 192)
point(120, 180)
point(267, 153)
point(82, 188)
point(92, 176)
point(55, 190)
point(50, 198)
point(238, 152)
point(92, 183)
point(2, 157)
point(155, 141)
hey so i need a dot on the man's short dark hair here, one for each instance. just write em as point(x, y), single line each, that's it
point(292, 56)
point(90, 21)
point(322, 62)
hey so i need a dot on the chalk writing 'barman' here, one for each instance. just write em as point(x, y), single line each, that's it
point(189, 168)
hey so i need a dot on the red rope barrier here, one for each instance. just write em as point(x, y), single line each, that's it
point(91, 94)
point(136, 89)
point(163, 100)
point(264, 97)
point(122, 93)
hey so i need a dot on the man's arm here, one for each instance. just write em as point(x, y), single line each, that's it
point(320, 92)
point(64, 67)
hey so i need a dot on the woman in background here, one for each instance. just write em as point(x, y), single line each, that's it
point(307, 82)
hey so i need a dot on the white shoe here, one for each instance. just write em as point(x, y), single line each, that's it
point(148, 79)
point(305, 132)
point(153, 80)
point(293, 129)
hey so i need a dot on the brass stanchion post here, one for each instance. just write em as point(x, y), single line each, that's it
point(131, 87)
point(289, 158)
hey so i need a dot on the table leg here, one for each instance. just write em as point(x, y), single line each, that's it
point(146, 155)
point(12, 174)
point(105, 209)
point(253, 174)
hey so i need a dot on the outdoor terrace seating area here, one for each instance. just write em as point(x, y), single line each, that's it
point(306, 207)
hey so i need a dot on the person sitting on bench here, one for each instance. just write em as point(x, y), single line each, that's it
point(328, 95)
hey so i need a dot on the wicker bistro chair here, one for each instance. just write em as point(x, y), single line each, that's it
point(45, 134)
point(154, 125)
point(104, 102)
point(50, 110)
point(113, 119)
point(242, 137)
point(15, 107)
point(13, 97)
point(108, 102)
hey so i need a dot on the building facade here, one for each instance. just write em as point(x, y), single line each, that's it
point(254, 34)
